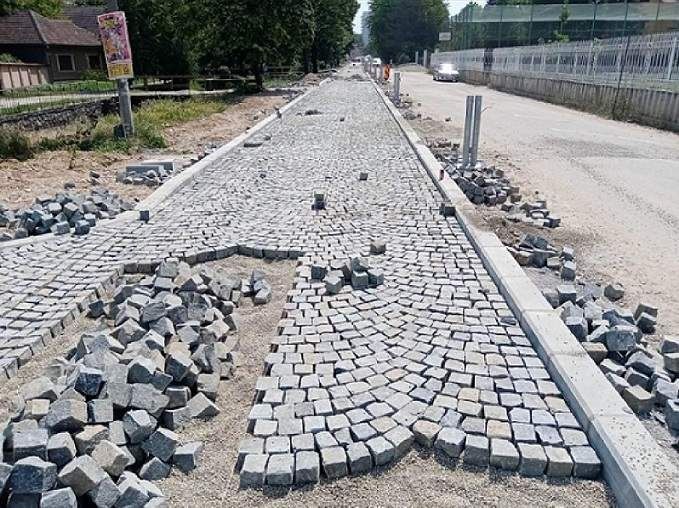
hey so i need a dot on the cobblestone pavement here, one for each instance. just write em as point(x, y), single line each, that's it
point(432, 354)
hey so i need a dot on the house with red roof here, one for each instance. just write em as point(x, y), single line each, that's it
point(66, 49)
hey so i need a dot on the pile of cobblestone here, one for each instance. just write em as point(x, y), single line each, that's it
point(151, 173)
point(536, 251)
point(489, 185)
point(614, 339)
point(101, 423)
point(62, 213)
point(357, 272)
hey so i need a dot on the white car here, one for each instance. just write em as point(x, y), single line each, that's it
point(446, 72)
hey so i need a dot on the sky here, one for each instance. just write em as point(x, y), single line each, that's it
point(454, 6)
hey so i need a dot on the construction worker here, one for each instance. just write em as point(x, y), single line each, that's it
point(387, 72)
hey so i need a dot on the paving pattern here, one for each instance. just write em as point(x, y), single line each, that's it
point(433, 354)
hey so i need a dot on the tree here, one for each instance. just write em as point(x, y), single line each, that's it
point(405, 26)
point(333, 32)
point(49, 8)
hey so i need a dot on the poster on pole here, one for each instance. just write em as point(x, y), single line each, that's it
point(445, 36)
point(116, 43)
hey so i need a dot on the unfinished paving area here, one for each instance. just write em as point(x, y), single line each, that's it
point(430, 353)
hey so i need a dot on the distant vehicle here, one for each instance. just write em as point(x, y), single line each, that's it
point(377, 61)
point(446, 72)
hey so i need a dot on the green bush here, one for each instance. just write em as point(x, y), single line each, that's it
point(95, 75)
point(7, 58)
point(14, 145)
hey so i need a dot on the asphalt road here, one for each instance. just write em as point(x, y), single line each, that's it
point(615, 184)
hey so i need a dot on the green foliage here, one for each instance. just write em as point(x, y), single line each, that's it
point(97, 75)
point(7, 58)
point(49, 8)
point(150, 120)
point(405, 26)
point(14, 145)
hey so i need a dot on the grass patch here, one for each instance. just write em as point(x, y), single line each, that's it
point(150, 120)
point(14, 145)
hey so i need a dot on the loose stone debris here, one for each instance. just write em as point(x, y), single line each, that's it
point(64, 213)
point(151, 173)
point(490, 186)
point(101, 423)
point(536, 251)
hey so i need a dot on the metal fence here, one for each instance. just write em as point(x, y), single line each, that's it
point(646, 61)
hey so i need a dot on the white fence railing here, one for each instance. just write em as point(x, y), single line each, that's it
point(645, 61)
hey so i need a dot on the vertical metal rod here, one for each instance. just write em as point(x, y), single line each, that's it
point(397, 87)
point(478, 101)
point(467, 130)
point(425, 58)
point(673, 52)
point(126, 119)
point(417, 57)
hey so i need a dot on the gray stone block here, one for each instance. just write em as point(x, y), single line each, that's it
point(186, 457)
point(451, 441)
point(559, 463)
point(89, 437)
point(60, 498)
point(280, 469)
point(477, 450)
point(253, 472)
point(32, 475)
point(334, 461)
point(504, 455)
point(382, 450)
point(61, 449)
point(307, 467)
point(30, 443)
point(154, 469)
point(68, 415)
point(586, 464)
point(105, 494)
point(111, 458)
point(360, 459)
point(533, 459)
point(138, 425)
point(82, 474)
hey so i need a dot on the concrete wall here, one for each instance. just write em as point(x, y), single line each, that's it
point(656, 108)
point(21, 75)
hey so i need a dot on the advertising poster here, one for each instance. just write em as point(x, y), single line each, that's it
point(116, 43)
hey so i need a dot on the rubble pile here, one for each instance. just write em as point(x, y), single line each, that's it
point(356, 272)
point(101, 423)
point(614, 337)
point(536, 251)
point(490, 186)
point(62, 213)
point(151, 173)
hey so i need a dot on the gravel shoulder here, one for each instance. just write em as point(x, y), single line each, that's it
point(614, 184)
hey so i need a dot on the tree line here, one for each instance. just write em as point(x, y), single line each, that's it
point(199, 36)
point(399, 28)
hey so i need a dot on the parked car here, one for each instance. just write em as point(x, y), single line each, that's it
point(446, 72)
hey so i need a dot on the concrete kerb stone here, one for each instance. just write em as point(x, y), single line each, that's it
point(633, 464)
point(177, 182)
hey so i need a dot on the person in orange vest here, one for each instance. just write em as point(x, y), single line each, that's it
point(387, 72)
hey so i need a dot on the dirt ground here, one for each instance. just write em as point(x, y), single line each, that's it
point(22, 182)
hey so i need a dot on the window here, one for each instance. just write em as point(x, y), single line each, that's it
point(94, 61)
point(65, 62)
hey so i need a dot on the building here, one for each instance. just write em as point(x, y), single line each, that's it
point(365, 28)
point(66, 50)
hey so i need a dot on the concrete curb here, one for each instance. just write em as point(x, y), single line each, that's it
point(634, 465)
point(175, 183)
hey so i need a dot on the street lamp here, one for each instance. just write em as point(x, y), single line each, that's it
point(596, 4)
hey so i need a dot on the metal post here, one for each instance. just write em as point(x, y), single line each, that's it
point(624, 25)
point(478, 101)
point(468, 119)
point(126, 119)
point(673, 53)
point(397, 88)
point(622, 70)
point(596, 5)
point(417, 57)
point(499, 27)
point(530, 24)
point(425, 58)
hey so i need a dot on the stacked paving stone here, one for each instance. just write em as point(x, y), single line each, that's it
point(151, 173)
point(433, 353)
point(101, 423)
point(63, 213)
point(357, 272)
point(536, 251)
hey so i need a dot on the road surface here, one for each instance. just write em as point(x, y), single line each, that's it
point(615, 184)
